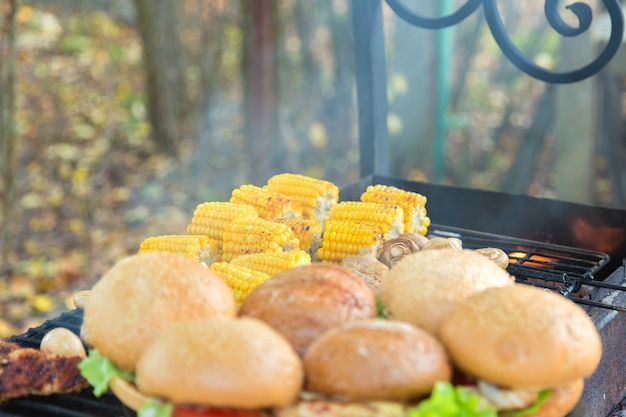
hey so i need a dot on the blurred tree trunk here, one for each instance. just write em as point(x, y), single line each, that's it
point(164, 70)
point(575, 125)
point(339, 107)
point(306, 24)
point(214, 19)
point(612, 143)
point(7, 123)
point(520, 175)
point(260, 100)
point(213, 26)
point(413, 101)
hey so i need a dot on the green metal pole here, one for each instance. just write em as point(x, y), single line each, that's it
point(444, 39)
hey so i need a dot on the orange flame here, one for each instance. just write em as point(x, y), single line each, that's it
point(541, 261)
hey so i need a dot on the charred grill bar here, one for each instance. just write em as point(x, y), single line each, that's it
point(569, 271)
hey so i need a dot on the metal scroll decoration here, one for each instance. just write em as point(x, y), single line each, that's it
point(582, 11)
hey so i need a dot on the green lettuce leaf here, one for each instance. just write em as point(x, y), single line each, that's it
point(156, 408)
point(99, 371)
point(380, 310)
point(446, 400)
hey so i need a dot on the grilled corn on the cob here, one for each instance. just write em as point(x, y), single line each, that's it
point(307, 230)
point(342, 238)
point(240, 279)
point(199, 247)
point(389, 217)
point(210, 218)
point(414, 205)
point(314, 195)
point(243, 236)
point(269, 204)
point(273, 263)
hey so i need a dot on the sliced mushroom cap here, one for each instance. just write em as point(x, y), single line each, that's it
point(395, 249)
point(420, 240)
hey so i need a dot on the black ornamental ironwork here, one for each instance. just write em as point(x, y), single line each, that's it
point(370, 71)
point(582, 11)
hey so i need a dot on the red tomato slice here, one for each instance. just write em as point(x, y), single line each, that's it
point(183, 411)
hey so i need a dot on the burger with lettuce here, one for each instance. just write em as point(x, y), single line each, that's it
point(524, 350)
point(504, 351)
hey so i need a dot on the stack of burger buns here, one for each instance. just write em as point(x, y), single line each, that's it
point(445, 328)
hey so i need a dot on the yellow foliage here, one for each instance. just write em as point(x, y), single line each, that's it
point(43, 303)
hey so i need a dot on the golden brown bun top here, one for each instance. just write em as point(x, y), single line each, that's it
point(522, 336)
point(375, 360)
point(424, 286)
point(241, 363)
point(304, 302)
point(143, 294)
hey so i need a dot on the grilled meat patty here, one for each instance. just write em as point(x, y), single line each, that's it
point(27, 371)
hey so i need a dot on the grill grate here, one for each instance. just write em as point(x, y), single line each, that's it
point(67, 405)
point(570, 271)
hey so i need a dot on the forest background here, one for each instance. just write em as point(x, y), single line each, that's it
point(118, 117)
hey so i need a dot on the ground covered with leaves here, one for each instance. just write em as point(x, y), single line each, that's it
point(89, 184)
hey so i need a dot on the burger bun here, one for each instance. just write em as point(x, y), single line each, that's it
point(304, 302)
point(522, 336)
point(143, 294)
point(424, 286)
point(562, 400)
point(376, 360)
point(239, 363)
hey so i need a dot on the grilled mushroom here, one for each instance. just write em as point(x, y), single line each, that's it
point(367, 267)
point(443, 243)
point(395, 249)
point(420, 240)
point(80, 299)
point(62, 341)
point(495, 254)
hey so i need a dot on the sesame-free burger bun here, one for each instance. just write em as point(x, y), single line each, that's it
point(306, 301)
point(424, 286)
point(240, 363)
point(562, 400)
point(376, 360)
point(143, 294)
point(521, 336)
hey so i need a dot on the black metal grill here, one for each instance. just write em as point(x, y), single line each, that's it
point(570, 271)
point(32, 338)
point(564, 269)
point(75, 405)
point(83, 404)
